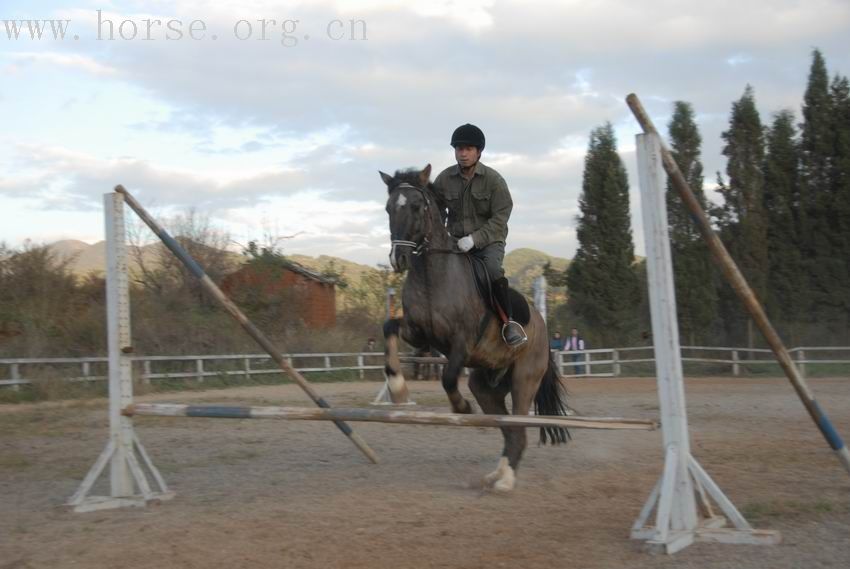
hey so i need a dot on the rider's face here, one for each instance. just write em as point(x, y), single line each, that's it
point(466, 156)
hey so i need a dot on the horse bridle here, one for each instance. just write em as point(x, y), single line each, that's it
point(418, 248)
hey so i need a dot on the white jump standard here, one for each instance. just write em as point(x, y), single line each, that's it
point(680, 498)
point(123, 446)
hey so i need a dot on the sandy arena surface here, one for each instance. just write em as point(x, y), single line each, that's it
point(272, 494)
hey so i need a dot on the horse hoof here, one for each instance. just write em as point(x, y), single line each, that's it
point(505, 485)
point(491, 478)
point(496, 475)
point(506, 482)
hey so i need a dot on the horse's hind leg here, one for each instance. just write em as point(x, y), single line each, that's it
point(492, 401)
point(392, 364)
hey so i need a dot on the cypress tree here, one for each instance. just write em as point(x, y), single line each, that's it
point(742, 220)
point(840, 189)
point(815, 136)
point(826, 269)
point(601, 282)
point(696, 297)
point(786, 296)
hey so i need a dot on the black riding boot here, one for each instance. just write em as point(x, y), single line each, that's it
point(512, 332)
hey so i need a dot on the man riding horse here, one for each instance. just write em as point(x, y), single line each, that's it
point(445, 310)
point(478, 206)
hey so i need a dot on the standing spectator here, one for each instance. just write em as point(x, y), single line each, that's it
point(370, 345)
point(556, 343)
point(575, 344)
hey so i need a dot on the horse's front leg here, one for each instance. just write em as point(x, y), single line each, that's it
point(451, 374)
point(392, 364)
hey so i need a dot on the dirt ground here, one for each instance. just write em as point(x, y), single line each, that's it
point(272, 494)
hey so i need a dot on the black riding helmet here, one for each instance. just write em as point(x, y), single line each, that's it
point(468, 134)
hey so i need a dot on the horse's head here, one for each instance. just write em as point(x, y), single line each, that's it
point(408, 205)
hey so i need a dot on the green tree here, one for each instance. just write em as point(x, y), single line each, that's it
point(823, 236)
point(741, 219)
point(815, 143)
point(786, 295)
point(602, 285)
point(840, 189)
point(367, 298)
point(696, 296)
point(39, 302)
point(331, 271)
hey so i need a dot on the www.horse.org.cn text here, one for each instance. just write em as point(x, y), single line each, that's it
point(287, 32)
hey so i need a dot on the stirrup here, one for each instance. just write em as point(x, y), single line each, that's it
point(517, 342)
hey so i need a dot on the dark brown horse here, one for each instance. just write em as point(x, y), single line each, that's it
point(443, 309)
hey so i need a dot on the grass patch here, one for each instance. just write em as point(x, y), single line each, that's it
point(51, 385)
point(14, 461)
point(223, 458)
point(755, 511)
point(232, 457)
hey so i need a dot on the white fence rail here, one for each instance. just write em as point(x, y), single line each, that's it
point(246, 365)
point(606, 362)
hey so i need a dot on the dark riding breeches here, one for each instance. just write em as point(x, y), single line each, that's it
point(492, 255)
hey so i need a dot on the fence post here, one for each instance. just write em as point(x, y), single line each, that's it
point(327, 362)
point(246, 366)
point(587, 370)
point(16, 374)
point(360, 365)
point(561, 363)
point(199, 368)
point(615, 355)
point(86, 369)
point(736, 369)
point(146, 371)
point(801, 366)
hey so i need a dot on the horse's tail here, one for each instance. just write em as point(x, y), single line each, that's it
point(551, 399)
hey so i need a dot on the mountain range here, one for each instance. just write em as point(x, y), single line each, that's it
point(522, 266)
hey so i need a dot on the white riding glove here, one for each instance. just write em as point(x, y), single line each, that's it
point(465, 243)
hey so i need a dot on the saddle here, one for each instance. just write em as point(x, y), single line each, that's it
point(481, 277)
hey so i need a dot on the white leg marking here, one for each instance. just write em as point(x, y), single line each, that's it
point(498, 473)
point(396, 382)
point(507, 482)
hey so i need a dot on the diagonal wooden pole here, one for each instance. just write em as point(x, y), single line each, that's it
point(733, 275)
point(210, 287)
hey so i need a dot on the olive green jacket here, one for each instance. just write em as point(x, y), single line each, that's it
point(479, 207)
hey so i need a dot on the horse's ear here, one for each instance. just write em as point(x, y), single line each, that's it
point(386, 178)
point(425, 176)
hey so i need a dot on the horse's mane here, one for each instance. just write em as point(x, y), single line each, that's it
point(409, 176)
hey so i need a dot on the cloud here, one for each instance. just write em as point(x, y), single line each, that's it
point(70, 60)
point(269, 123)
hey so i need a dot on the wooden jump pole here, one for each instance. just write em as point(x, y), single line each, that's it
point(212, 289)
point(736, 279)
point(384, 416)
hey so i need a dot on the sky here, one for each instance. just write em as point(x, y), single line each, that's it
point(274, 118)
